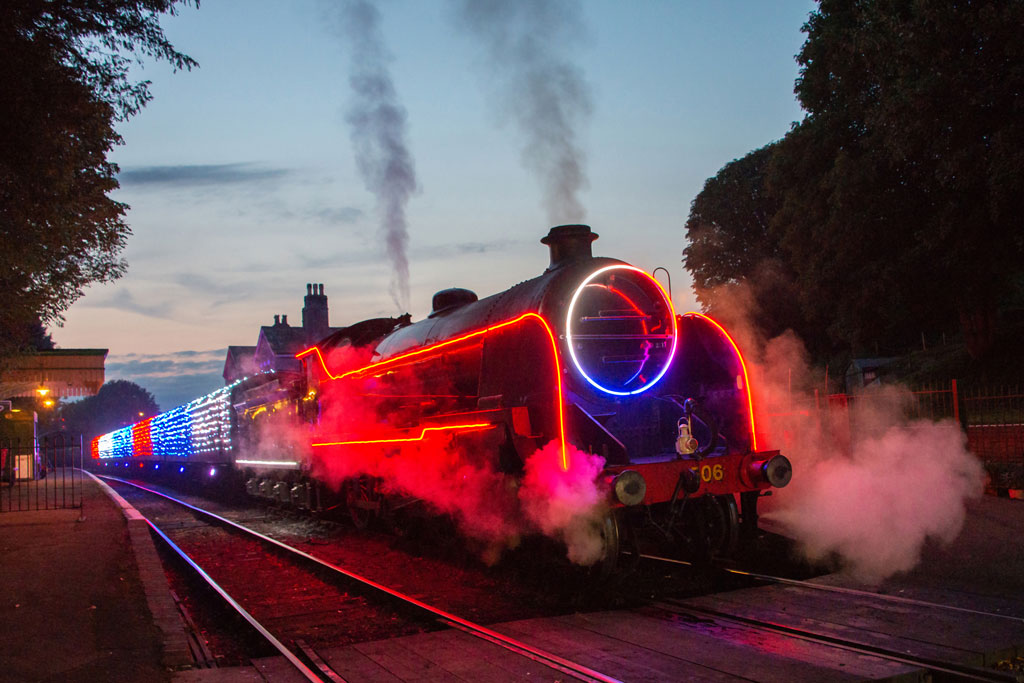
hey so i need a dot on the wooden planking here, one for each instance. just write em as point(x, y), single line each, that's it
point(438, 655)
point(607, 655)
point(933, 590)
point(278, 669)
point(404, 663)
point(778, 613)
point(354, 666)
point(991, 638)
point(741, 652)
point(474, 659)
point(231, 674)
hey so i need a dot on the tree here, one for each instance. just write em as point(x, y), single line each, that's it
point(896, 203)
point(732, 254)
point(117, 404)
point(914, 112)
point(64, 66)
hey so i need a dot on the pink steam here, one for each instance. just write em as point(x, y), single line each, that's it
point(871, 486)
point(455, 473)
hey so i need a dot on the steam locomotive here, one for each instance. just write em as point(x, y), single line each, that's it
point(586, 363)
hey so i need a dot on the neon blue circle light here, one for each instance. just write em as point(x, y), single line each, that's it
point(621, 330)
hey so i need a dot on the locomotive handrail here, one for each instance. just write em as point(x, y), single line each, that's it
point(656, 337)
point(421, 437)
point(627, 316)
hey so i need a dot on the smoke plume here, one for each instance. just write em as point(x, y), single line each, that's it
point(528, 44)
point(377, 124)
point(871, 483)
point(457, 476)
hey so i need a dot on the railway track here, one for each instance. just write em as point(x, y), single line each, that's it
point(292, 637)
point(745, 634)
point(839, 590)
point(935, 661)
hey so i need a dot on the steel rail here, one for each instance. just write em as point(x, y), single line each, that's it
point(536, 654)
point(133, 513)
point(839, 589)
point(260, 628)
point(955, 669)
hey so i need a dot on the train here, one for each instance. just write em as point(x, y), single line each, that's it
point(580, 392)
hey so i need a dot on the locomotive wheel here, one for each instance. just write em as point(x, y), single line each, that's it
point(611, 537)
point(724, 526)
point(711, 529)
point(364, 501)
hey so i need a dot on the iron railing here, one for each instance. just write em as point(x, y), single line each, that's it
point(44, 474)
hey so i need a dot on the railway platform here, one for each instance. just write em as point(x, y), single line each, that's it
point(75, 604)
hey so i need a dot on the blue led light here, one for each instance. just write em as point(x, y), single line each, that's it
point(200, 426)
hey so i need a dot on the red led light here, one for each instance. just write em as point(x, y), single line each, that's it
point(94, 448)
point(743, 366)
point(142, 439)
point(426, 351)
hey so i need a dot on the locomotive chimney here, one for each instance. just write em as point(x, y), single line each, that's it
point(568, 243)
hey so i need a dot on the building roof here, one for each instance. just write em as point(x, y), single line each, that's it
point(240, 362)
point(283, 340)
point(64, 372)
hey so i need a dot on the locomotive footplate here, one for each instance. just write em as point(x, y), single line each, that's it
point(717, 475)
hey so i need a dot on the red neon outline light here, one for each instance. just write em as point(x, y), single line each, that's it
point(396, 360)
point(743, 366)
point(423, 435)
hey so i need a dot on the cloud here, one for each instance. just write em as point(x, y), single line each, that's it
point(171, 392)
point(333, 216)
point(445, 250)
point(343, 257)
point(123, 300)
point(199, 174)
point(173, 378)
point(195, 281)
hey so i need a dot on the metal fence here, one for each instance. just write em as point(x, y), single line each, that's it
point(41, 474)
point(992, 417)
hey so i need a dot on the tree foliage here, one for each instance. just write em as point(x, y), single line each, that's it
point(732, 253)
point(899, 195)
point(65, 69)
point(117, 404)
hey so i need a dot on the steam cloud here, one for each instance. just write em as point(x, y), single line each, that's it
point(378, 131)
point(456, 479)
point(870, 485)
point(527, 43)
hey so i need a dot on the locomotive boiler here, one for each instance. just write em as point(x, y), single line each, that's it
point(586, 362)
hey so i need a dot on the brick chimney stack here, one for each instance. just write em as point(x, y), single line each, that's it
point(314, 313)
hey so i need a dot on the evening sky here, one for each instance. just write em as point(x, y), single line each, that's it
point(243, 184)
